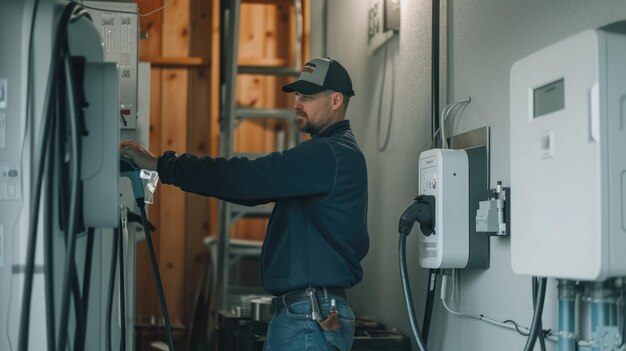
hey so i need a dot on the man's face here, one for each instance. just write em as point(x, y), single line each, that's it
point(313, 112)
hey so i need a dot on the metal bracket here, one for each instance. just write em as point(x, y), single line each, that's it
point(608, 339)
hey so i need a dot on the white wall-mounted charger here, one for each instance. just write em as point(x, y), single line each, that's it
point(445, 175)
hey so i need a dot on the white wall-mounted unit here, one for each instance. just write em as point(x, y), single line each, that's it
point(444, 174)
point(568, 106)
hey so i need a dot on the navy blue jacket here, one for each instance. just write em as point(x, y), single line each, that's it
point(317, 234)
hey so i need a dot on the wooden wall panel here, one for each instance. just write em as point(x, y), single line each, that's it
point(147, 303)
point(199, 143)
point(173, 209)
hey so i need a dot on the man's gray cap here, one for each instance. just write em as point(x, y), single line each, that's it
point(321, 74)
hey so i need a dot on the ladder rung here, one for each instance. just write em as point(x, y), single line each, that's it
point(255, 211)
point(282, 113)
point(250, 155)
point(274, 71)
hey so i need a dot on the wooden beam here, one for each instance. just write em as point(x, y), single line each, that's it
point(178, 62)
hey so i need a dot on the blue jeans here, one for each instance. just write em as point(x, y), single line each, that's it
point(291, 330)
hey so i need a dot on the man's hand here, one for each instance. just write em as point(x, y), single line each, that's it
point(143, 158)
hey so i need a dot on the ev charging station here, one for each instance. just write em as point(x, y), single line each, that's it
point(67, 66)
point(567, 157)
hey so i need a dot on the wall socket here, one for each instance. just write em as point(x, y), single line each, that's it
point(382, 23)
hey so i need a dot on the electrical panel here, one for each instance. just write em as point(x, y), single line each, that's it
point(568, 115)
point(117, 23)
point(445, 175)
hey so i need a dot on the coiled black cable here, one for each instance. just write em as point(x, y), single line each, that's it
point(41, 151)
point(69, 271)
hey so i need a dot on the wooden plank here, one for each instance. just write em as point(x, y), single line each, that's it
point(180, 62)
point(152, 25)
point(198, 134)
point(268, 2)
point(173, 209)
point(147, 303)
point(215, 103)
point(176, 29)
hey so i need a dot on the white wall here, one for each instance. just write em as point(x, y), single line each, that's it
point(484, 38)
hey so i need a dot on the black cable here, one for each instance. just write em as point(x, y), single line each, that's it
point(79, 314)
point(157, 276)
point(37, 179)
point(406, 287)
point(430, 298)
point(120, 254)
point(542, 341)
point(623, 316)
point(107, 340)
point(534, 327)
point(48, 251)
point(68, 277)
point(80, 344)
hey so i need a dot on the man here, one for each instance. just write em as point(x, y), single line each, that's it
point(317, 234)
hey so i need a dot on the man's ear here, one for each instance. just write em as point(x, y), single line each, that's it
point(337, 101)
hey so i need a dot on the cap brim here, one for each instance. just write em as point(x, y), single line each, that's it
point(303, 87)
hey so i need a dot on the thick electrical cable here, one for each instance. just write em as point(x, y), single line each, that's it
point(41, 148)
point(534, 327)
point(430, 299)
point(157, 276)
point(408, 299)
point(111, 290)
point(48, 245)
point(69, 267)
point(80, 344)
point(120, 254)
point(542, 340)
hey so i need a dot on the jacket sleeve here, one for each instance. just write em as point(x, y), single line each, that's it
point(307, 169)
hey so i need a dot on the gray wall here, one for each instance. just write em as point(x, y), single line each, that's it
point(483, 38)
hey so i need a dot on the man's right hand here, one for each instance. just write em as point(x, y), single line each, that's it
point(143, 158)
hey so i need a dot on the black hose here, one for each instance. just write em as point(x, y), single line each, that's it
point(430, 298)
point(68, 275)
point(542, 339)
point(406, 287)
point(48, 251)
point(79, 344)
point(157, 276)
point(120, 254)
point(116, 237)
point(41, 148)
point(534, 327)
point(79, 314)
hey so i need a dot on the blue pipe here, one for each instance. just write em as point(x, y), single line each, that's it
point(567, 315)
point(603, 307)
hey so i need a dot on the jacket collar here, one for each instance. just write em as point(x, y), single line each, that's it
point(333, 129)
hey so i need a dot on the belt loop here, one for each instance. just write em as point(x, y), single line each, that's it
point(325, 293)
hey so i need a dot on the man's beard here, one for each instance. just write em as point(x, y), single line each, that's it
point(307, 127)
